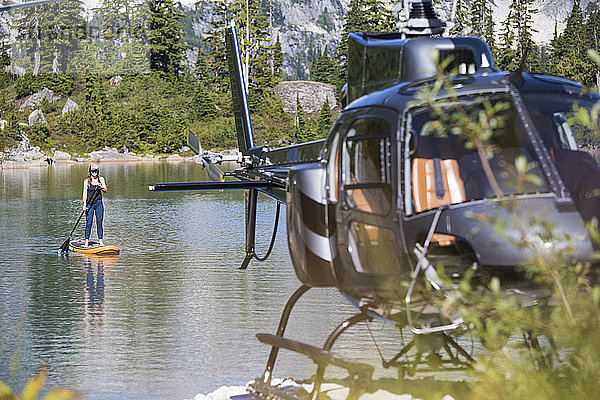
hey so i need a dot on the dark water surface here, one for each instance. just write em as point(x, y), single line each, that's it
point(171, 317)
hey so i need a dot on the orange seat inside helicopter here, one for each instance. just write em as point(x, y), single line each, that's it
point(435, 177)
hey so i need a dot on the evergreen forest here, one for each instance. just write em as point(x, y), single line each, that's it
point(161, 93)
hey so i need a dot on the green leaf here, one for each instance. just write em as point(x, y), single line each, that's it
point(6, 393)
point(61, 394)
point(35, 385)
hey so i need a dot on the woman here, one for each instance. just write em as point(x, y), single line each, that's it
point(93, 184)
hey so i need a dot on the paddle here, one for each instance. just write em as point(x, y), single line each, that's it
point(65, 246)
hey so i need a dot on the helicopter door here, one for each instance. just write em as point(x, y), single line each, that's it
point(367, 233)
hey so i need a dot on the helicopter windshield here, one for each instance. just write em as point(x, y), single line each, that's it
point(572, 138)
point(465, 150)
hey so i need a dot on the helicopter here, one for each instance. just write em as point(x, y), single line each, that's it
point(376, 205)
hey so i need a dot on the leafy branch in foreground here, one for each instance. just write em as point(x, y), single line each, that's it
point(541, 337)
point(33, 389)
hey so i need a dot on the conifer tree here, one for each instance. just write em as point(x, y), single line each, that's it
point(592, 34)
point(324, 122)
point(569, 55)
point(202, 105)
point(461, 20)
point(505, 53)
point(216, 57)
point(167, 49)
point(323, 68)
point(482, 23)
point(121, 36)
point(300, 131)
point(277, 61)
point(515, 47)
point(28, 24)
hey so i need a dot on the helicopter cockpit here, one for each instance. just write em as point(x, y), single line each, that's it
point(444, 168)
point(397, 173)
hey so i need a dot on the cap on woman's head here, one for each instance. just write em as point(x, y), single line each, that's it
point(93, 167)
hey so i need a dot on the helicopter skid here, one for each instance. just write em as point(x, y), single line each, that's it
point(423, 354)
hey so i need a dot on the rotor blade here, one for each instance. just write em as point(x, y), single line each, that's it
point(214, 173)
point(194, 143)
point(161, 187)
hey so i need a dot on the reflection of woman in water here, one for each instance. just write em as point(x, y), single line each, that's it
point(92, 184)
point(94, 293)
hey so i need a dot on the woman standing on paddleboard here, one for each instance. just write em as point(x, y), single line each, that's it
point(93, 183)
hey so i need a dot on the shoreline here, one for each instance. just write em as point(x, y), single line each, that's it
point(34, 158)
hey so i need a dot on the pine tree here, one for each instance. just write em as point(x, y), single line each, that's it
point(323, 68)
point(515, 48)
point(324, 119)
point(505, 54)
point(69, 28)
point(569, 56)
point(592, 34)
point(300, 131)
point(216, 56)
point(120, 36)
point(461, 20)
point(167, 49)
point(202, 105)
point(277, 61)
point(28, 24)
point(482, 22)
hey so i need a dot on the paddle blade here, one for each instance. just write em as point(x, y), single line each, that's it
point(65, 246)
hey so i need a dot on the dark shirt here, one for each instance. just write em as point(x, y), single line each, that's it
point(90, 192)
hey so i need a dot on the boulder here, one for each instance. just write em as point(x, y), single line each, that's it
point(36, 117)
point(312, 95)
point(15, 70)
point(116, 80)
point(36, 98)
point(63, 156)
point(103, 155)
point(174, 157)
point(70, 105)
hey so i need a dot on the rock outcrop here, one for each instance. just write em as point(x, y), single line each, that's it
point(70, 105)
point(312, 95)
point(63, 156)
point(23, 156)
point(36, 117)
point(112, 154)
point(36, 99)
point(116, 80)
point(14, 69)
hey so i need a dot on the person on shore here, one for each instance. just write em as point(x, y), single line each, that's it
point(92, 184)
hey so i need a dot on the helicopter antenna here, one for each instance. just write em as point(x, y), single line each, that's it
point(421, 19)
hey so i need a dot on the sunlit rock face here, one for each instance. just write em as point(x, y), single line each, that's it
point(310, 95)
point(305, 27)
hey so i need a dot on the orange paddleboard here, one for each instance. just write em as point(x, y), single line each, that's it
point(93, 248)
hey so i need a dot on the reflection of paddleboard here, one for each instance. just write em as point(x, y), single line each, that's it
point(93, 248)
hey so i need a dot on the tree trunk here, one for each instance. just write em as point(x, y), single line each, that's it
point(38, 45)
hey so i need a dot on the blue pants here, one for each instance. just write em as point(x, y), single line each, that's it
point(98, 209)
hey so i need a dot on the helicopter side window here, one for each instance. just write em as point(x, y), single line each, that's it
point(460, 60)
point(365, 162)
point(565, 133)
point(574, 147)
point(371, 248)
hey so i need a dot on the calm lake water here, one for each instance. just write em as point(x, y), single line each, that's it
point(170, 317)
